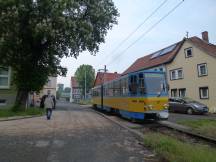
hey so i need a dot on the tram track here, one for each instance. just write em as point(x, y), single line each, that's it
point(164, 127)
point(188, 132)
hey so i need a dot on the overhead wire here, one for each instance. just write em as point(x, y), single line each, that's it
point(147, 31)
point(135, 30)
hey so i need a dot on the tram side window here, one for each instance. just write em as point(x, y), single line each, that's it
point(110, 90)
point(116, 88)
point(99, 91)
point(133, 85)
point(124, 86)
point(95, 92)
point(113, 88)
point(141, 84)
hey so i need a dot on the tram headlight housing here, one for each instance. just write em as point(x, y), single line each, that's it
point(166, 106)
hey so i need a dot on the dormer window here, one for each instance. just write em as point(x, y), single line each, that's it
point(188, 52)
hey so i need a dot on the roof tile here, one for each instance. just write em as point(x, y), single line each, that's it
point(105, 77)
point(208, 47)
point(148, 62)
point(74, 82)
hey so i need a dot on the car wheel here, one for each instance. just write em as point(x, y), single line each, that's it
point(189, 111)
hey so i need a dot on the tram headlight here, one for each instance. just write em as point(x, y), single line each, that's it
point(166, 106)
point(150, 107)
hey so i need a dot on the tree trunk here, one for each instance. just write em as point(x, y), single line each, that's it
point(21, 99)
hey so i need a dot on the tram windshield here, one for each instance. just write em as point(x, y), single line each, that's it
point(155, 83)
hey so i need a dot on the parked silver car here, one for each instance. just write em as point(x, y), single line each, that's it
point(187, 105)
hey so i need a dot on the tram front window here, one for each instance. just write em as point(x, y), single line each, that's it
point(154, 83)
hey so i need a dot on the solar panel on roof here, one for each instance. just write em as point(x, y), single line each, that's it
point(168, 49)
point(156, 54)
point(163, 51)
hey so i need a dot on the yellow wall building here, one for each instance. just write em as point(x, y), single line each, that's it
point(190, 67)
point(192, 73)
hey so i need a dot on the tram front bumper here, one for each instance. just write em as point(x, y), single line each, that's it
point(158, 114)
point(163, 114)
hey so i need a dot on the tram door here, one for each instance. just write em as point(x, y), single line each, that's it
point(142, 89)
point(133, 85)
point(136, 85)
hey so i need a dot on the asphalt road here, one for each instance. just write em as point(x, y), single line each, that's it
point(74, 134)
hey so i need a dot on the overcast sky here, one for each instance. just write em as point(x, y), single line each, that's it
point(192, 15)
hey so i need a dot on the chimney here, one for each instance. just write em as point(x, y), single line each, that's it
point(205, 36)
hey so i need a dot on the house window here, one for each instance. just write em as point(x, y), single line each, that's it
point(173, 75)
point(179, 74)
point(188, 52)
point(182, 92)
point(204, 92)
point(4, 77)
point(202, 69)
point(173, 92)
point(176, 74)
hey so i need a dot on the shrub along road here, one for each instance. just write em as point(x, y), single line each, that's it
point(74, 134)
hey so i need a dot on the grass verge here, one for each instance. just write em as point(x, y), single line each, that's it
point(172, 150)
point(7, 112)
point(206, 127)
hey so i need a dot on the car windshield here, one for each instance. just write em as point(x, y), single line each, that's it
point(190, 100)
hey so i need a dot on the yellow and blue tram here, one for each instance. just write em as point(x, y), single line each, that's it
point(139, 95)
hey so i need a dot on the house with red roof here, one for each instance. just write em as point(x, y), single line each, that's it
point(102, 77)
point(190, 67)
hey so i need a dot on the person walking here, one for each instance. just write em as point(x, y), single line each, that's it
point(48, 104)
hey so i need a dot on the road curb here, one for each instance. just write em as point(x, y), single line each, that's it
point(19, 118)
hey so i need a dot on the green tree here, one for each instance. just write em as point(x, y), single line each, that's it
point(85, 72)
point(36, 34)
